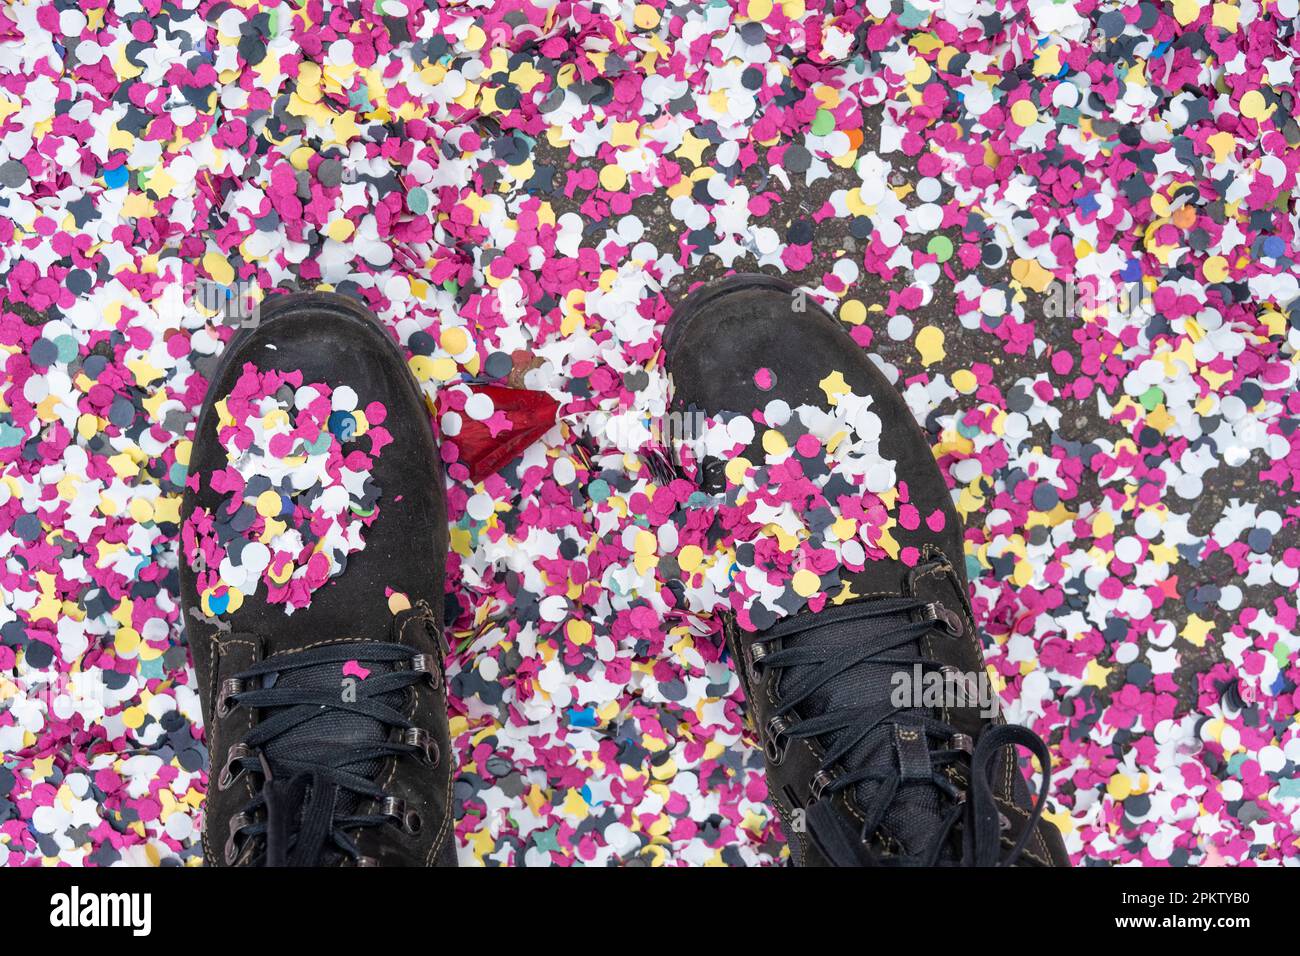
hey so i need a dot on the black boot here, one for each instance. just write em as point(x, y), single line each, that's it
point(861, 769)
point(314, 541)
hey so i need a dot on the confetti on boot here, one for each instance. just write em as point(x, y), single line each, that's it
point(297, 491)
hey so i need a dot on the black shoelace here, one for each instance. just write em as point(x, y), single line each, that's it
point(306, 804)
point(812, 666)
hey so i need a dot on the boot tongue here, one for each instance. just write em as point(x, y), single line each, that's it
point(917, 810)
point(321, 738)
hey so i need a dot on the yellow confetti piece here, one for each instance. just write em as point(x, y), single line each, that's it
point(1226, 16)
point(127, 641)
point(736, 469)
point(1253, 105)
point(645, 16)
point(141, 509)
point(144, 371)
point(580, 632)
point(1196, 630)
point(1185, 11)
point(692, 148)
point(1048, 61)
point(1094, 675)
point(758, 9)
point(919, 73)
point(613, 178)
point(1223, 143)
point(442, 369)
point(853, 312)
point(805, 583)
point(774, 442)
point(834, 386)
point(268, 504)
point(1120, 787)
point(1216, 268)
point(1023, 573)
point(216, 266)
point(340, 230)
point(929, 342)
point(965, 381)
point(454, 340)
point(1024, 113)
point(689, 558)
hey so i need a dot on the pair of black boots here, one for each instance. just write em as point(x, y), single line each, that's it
point(327, 726)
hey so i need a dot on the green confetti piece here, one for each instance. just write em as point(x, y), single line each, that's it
point(940, 247)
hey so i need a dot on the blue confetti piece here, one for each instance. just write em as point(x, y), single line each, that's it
point(582, 717)
point(343, 425)
point(116, 178)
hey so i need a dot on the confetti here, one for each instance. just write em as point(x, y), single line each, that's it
point(296, 492)
point(1066, 231)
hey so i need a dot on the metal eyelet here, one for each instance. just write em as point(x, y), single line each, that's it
point(776, 744)
point(962, 742)
point(226, 778)
point(820, 781)
point(394, 808)
point(757, 652)
point(412, 822)
point(418, 737)
point(229, 688)
point(365, 861)
point(427, 665)
point(237, 823)
point(937, 612)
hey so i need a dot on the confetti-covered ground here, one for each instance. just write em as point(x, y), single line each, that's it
point(1067, 228)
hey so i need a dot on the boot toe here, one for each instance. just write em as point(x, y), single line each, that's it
point(751, 340)
point(330, 340)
